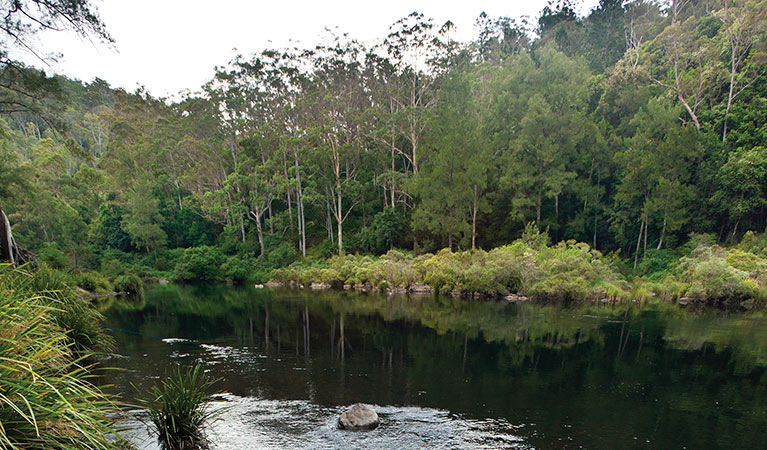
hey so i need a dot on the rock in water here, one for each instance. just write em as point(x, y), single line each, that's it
point(358, 417)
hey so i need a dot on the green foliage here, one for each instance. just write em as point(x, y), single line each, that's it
point(77, 317)
point(53, 257)
point(714, 275)
point(281, 255)
point(238, 269)
point(199, 264)
point(48, 398)
point(142, 219)
point(711, 278)
point(568, 271)
point(93, 282)
point(754, 243)
point(657, 264)
point(629, 128)
point(129, 283)
point(179, 408)
point(380, 235)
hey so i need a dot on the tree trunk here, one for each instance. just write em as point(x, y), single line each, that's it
point(340, 220)
point(729, 95)
point(391, 187)
point(329, 225)
point(178, 195)
point(639, 241)
point(689, 110)
point(6, 239)
point(271, 222)
point(662, 231)
point(644, 250)
point(290, 209)
point(474, 219)
point(300, 206)
point(242, 228)
point(256, 216)
point(538, 208)
point(594, 244)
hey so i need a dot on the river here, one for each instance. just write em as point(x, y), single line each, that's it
point(447, 373)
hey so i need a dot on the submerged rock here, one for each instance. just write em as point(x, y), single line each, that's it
point(516, 298)
point(358, 417)
point(419, 288)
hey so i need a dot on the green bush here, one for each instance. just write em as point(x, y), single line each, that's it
point(52, 257)
point(93, 282)
point(713, 279)
point(567, 271)
point(179, 408)
point(130, 283)
point(238, 269)
point(199, 264)
point(657, 264)
point(282, 255)
point(754, 243)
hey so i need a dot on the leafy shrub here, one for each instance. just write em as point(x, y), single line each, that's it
point(130, 283)
point(569, 271)
point(709, 275)
point(238, 269)
point(657, 264)
point(282, 255)
point(754, 243)
point(52, 257)
point(93, 282)
point(178, 408)
point(381, 234)
point(199, 264)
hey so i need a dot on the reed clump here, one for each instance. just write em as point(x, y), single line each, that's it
point(47, 396)
point(178, 408)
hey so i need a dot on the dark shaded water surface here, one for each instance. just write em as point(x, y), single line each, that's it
point(449, 373)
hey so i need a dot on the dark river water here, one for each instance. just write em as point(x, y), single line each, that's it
point(447, 373)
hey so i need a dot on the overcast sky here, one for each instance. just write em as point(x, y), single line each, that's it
point(173, 45)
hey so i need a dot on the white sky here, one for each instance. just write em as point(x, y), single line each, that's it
point(173, 45)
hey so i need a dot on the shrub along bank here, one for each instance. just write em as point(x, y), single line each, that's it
point(701, 272)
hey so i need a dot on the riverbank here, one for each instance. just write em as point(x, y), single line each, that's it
point(531, 268)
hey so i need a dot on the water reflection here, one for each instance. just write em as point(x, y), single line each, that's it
point(494, 374)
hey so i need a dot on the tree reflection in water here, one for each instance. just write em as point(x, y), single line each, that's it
point(598, 377)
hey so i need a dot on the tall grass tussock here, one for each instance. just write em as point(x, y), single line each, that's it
point(179, 408)
point(47, 400)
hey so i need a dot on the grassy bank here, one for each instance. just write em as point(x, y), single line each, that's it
point(47, 400)
point(700, 272)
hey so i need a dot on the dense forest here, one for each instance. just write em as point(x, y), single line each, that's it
point(628, 129)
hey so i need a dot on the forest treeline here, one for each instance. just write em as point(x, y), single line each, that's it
point(628, 129)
